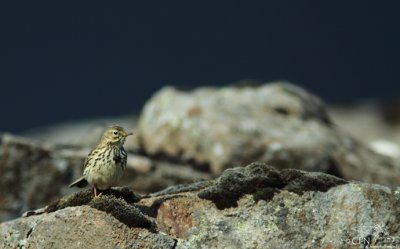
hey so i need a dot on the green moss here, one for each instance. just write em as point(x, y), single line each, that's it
point(183, 188)
point(122, 211)
point(76, 199)
point(257, 178)
point(126, 193)
point(263, 181)
point(85, 196)
point(264, 193)
point(117, 202)
point(298, 181)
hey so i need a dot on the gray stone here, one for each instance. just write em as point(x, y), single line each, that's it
point(329, 214)
point(31, 175)
point(303, 210)
point(78, 227)
point(278, 123)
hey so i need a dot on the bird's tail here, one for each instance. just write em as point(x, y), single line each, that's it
point(80, 183)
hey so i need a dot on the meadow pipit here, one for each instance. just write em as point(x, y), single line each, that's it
point(106, 163)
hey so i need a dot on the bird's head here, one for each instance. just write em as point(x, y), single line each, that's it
point(115, 135)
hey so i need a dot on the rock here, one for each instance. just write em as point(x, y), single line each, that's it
point(118, 203)
point(298, 181)
point(306, 210)
point(85, 197)
point(83, 133)
point(78, 227)
point(278, 123)
point(387, 148)
point(262, 181)
point(33, 173)
point(299, 210)
point(366, 122)
point(257, 179)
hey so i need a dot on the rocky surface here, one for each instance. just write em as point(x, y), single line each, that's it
point(78, 227)
point(30, 175)
point(266, 208)
point(33, 174)
point(278, 123)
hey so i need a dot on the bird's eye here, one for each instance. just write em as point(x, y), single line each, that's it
point(115, 132)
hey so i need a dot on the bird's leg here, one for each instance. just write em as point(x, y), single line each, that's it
point(97, 192)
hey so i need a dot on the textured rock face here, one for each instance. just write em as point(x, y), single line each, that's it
point(270, 209)
point(279, 123)
point(346, 215)
point(33, 174)
point(305, 210)
point(78, 227)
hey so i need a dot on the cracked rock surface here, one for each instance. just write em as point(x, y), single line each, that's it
point(271, 209)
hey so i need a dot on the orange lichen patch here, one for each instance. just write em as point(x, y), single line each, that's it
point(329, 247)
point(302, 216)
point(174, 217)
point(374, 197)
point(194, 111)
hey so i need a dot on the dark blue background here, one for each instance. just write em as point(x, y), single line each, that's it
point(65, 61)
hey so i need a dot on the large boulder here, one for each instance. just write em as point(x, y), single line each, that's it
point(277, 123)
point(246, 207)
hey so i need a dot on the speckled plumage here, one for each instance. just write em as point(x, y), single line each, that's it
point(106, 163)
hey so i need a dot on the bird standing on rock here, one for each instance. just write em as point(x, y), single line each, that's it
point(106, 163)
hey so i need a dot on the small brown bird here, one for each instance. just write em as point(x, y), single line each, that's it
point(106, 163)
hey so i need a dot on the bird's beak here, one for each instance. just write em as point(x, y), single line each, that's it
point(128, 134)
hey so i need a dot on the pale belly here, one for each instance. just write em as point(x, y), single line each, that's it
point(105, 176)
